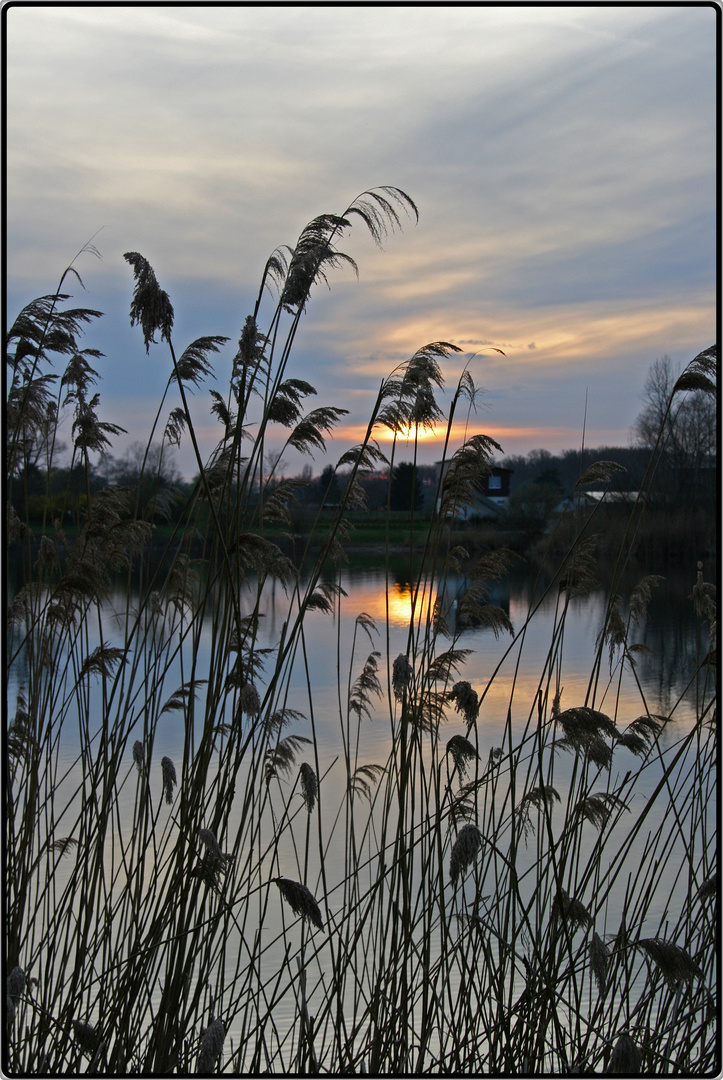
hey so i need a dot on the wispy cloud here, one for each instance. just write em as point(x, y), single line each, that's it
point(563, 160)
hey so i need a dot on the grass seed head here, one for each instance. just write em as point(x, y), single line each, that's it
point(300, 900)
point(16, 529)
point(151, 307)
point(47, 553)
point(169, 778)
point(364, 779)
point(599, 960)
point(86, 1036)
point(274, 723)
point(708, 889)
point(462, 751)
point(281, 757)
point(210, 1048)
point(401, 676)
point(538, 797)
point(249, 700)
point(573, 911)
point(155, 604)
point(641, 596)
point(309, 786)
point(366, 687)
point(15, 988)
point(626, 1057)
point(211, 844)
point(704, 597)
point(466, 701)
point(673, 962)
point(634, 742)
point(465, 850)
point(138, 756)
point(587, 729)
point(579, 577)
point(16, 983)
point(597, 808)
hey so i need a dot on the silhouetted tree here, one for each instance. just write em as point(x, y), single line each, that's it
point(406, 493)
point(684, 472)
point(329, 487)
point(152, 477)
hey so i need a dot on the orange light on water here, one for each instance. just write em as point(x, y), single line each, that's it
point(400, 604)
point(374, 602)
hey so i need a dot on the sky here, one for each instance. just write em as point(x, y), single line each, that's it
point(562, 159)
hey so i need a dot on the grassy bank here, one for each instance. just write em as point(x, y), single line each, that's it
point(248, 906)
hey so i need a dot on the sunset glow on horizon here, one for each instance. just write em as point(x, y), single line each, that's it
point(459, 432)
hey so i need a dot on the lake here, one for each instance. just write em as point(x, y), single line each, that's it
point(512, 675)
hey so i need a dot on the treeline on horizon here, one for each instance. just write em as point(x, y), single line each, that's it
point(671, 461)
point(539, 481)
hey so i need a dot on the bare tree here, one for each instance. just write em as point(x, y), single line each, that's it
point(688, 445)
point(151, 474)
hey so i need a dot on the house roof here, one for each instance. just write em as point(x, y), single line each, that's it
point(590, 498)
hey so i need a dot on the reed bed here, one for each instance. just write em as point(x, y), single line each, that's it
point(251, 906)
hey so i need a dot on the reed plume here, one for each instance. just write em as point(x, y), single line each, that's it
point(15, 988)
point(86, 1036)
point(283, 755)
point(586, 729)
point(598, 808)
point(366, 685)
point(626, 1058)
point(708, 889)
point(401, 676)
point(138, 756)
point(169, 778)
point(309, 786)
point(572, 911)
point(151, 306)
point(363, 778)
point(599, 962)
point(300, 900)
point(464, 851)
point(211, 1047)
point(462, 752)
point(210, 842)
point(545, 795)
point(249, 701)
point(465, 701)
point(673, 962)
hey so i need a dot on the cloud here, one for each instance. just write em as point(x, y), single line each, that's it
point(563, 161)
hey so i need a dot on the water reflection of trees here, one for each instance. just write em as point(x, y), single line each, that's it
point(676, 642)
point(671, 633)
point(453, 590)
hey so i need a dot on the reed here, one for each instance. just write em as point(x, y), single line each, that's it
point(460, 907)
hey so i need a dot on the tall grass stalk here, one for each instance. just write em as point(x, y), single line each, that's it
point(236, 907)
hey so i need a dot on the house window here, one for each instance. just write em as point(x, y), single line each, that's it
point(494, 483)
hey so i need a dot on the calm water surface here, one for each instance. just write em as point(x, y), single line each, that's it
point(662, 686)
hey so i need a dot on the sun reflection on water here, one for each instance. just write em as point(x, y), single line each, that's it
point(372, 597)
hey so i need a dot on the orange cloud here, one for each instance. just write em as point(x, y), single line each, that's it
point(562, 334)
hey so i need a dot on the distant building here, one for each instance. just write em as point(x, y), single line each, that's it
point(492, 496)
point(580, 500)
